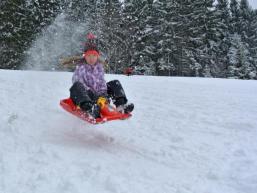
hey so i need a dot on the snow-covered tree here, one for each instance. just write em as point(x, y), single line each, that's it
point(20, 23)
point(247, 31)
point(138, 30)
point(234, 21)
point(223, 35)
point(203, 37)
point(111, 34)
point(253, 40)
point(239, 59)
point(163, 32)
point(157, 37)
point(244, 19)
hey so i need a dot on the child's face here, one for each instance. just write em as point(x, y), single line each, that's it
point(91, 59)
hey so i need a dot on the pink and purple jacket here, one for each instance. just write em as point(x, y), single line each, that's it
point(91, 76)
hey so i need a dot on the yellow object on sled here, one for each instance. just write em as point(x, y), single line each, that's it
point(102, 102)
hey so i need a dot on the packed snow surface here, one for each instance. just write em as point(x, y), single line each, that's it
point(187, 135)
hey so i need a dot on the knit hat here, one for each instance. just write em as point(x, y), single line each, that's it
point(91, 45)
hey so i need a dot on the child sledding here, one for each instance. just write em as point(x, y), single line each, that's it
point(90, 95)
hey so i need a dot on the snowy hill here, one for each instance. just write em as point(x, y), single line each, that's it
point(187, 135)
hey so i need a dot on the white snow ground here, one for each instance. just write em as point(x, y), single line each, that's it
point(187, 135)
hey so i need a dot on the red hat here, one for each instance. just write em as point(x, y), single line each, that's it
point(91, 52)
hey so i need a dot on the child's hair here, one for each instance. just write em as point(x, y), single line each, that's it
point(91, 44)
point(73, 60)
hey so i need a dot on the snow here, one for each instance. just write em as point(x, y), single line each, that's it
point(253, 3)
point(187, 135)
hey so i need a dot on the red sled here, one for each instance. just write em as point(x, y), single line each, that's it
point(108, 113)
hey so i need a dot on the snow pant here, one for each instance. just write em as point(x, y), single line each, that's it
point(87, 98)
point(116, 92)
point(81, 97)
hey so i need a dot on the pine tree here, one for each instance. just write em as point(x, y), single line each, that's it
point(238, 58)
point(234, 21)
point(182, 50)
point(244, 19)
point(21, 22)
point(252, 44)
point(163, 33)
point(223, 35)
point(111, 35)
point(137, 28)
point(203, 37)
point(11, 30)
point(247, 31)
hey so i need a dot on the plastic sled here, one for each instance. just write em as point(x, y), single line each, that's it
point(108, 113)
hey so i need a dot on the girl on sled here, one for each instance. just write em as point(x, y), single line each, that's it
point(89, 84)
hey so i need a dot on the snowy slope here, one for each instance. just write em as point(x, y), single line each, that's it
point(187, 135)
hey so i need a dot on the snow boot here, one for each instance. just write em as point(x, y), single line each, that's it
point(125, 108)
point(91, 109)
